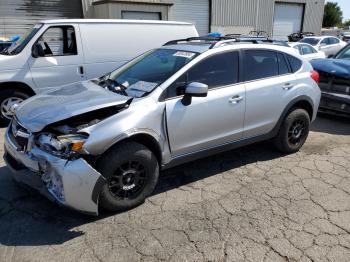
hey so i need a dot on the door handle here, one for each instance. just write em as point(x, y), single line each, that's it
point(81, 70)
point(236, 99)
point(287, 86)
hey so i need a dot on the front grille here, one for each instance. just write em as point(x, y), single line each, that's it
point(19, 135)
point(334, 84)
point(341, 86)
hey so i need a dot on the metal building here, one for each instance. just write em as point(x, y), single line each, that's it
point(16, 16)
point(277, 18)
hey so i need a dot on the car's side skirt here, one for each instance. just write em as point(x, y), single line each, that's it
point(216, 150)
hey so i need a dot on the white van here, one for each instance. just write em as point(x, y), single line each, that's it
point(59, 52)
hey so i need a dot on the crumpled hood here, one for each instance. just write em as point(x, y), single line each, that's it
point(67, 101)
point(337, 67)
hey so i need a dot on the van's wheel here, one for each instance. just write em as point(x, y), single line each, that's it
point(293, 131)
point(132, 173)
point(8, 98)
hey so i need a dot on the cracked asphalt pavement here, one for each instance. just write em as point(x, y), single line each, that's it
point(250, 204)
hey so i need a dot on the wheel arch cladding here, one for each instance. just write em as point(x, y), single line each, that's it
point(303, 102)
point(144, 139)
point(306, 105)
point(148, 141)
point(19, 86)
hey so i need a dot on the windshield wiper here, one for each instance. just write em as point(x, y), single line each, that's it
point(5, 51)
point(105, 77)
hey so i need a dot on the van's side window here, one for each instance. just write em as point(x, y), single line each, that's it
point(59, 41)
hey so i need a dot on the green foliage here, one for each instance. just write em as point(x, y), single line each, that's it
point(346, 23)
point(333, 16)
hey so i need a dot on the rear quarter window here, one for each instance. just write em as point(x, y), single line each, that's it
point(295, 63)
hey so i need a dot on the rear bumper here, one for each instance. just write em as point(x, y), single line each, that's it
point(74, 184)
point(337, 103)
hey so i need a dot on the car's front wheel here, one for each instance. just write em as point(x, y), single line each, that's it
point(132, 173)
point(293, 131)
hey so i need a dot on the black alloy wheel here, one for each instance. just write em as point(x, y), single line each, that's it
point(128, 180)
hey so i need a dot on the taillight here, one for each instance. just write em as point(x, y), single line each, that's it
point(315, 76)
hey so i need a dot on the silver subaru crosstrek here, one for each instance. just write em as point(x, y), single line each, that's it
point(103, 142)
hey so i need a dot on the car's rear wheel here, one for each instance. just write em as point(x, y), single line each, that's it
point(8, 98)
point(132, 173)
point(293, 131)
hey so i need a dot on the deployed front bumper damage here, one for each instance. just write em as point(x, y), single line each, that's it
point(71, 183)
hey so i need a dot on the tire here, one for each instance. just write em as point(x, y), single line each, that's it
point(5, 95)
point(293, 131)
point(132, 173)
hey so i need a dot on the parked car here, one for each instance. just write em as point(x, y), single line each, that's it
point(335, 82)
point(258, 37)
point(346, 36)
point(60, 52)
point(295, 37)
point(7, 42)
point(103, 142)
point(330, 45)
point(307, 51)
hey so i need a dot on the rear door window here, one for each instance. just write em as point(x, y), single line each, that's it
point(282, 65)
point(333, 41)
point(326, 41)
point(306, 50)
point(260, 64)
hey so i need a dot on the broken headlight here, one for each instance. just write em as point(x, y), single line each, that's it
point(61, 145)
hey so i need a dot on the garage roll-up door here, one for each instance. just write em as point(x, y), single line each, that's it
point(141, 15)
point(193, 11)
point(287, 20)
point(16, 16)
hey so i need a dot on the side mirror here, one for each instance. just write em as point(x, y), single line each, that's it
point(194, 89)
point(37, 50)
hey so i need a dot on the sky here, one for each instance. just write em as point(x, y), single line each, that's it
point(345, 6)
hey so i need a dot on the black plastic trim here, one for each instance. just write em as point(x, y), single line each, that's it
point(101, 181)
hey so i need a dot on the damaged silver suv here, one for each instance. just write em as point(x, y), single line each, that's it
point(103, 142)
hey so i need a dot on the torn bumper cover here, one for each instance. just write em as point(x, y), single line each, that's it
point(73, 183)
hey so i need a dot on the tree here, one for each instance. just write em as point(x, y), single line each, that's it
point(346, 23)
point(333, 16)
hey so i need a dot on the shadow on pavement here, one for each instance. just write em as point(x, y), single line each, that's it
point(28, 219)
point(214, 165)
point(331, 124)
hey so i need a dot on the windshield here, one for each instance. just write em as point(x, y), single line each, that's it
point(18, 46)
point(143, 74)
point(311, 41)
point(344, 54)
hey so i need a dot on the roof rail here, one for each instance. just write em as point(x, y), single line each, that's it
point(199, 38)
point(227, 39)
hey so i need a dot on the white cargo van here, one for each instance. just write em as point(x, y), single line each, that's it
point(59, 52)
